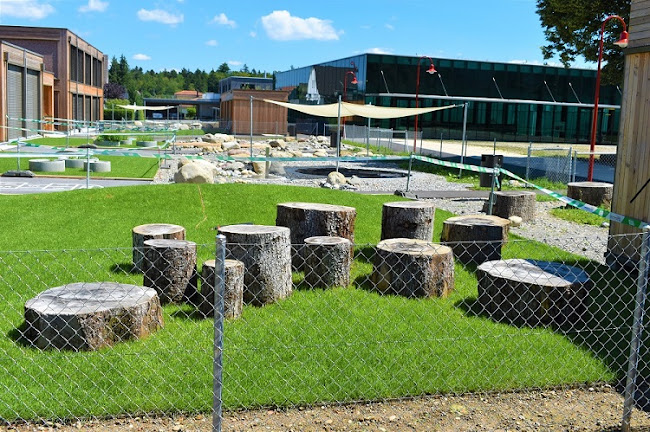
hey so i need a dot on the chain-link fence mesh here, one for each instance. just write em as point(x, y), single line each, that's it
point(324, 321)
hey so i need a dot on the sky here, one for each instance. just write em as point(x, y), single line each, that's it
point(278, 35)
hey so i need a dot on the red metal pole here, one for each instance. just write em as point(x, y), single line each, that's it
point(417, 91)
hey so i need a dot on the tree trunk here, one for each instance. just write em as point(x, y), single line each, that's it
point(533, 292)
point(594, 193)
point(407, 219)
point(475, 238)
point(170, 268)
point(266, 254)
point(413, 268)
point(312, 220)
point(233, 296)
point(90, 316)
point(514, 203)
point(327, 261)
point(142, 233)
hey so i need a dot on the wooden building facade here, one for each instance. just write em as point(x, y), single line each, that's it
point(267, 118)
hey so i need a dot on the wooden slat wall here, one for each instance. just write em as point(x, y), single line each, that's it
point(639, 26)
point(267, 118)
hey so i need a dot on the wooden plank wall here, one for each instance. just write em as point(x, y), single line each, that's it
point(267, 118)
point(639, 25)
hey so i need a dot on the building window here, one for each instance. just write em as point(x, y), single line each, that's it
point(88, 70)
point(73, 63)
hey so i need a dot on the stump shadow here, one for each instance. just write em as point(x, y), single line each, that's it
point(125, 268)
point(19, 335)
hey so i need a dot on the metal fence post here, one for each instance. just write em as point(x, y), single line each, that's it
point(408, 177)
point(530, 145)
point(219, 282)
point(637, 329)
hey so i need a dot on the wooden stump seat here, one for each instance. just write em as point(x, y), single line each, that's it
point(90, 316)
point(594, 193)
point(407, 219)
point(514, 203)
point(533, 292)
point(314, 219)
point(475, 238)
point(413, 268)
point(233, 296)
point(266, 253)
point(170, 268)
point(141, 233)
point(327, 261)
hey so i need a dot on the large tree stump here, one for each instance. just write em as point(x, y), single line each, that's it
point(312, 220)
point(407, 219)
point(533, 292)
point(142, 233)
point(233, 296)
point(327, 261)
point(413, 268)
point(170, 268)
point(594, 193)
point(89, 316)
point(475, 238)
point(514, 203)
point(266, 254)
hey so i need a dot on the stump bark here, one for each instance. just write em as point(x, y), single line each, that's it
point(594, 193)
point(142, 233)
point(312, 220)
point(233, 296)
point(170, 268)
point(514, 203)
point(533, 292)
point(327, 261)
point(266, 254)
point(413, 268)
point(407, 219)
point(475, 238)
point(89, 316)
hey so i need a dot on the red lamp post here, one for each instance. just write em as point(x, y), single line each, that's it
point(431, 71)
point(622, 42)
point(345, 89)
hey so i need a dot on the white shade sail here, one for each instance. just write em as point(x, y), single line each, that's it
point(145, 107)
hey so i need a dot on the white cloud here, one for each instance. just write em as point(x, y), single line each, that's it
point(29, 9)
point(94, 6)
point(211, 42)
point(389, 26)
point(160, 16)
point(253, 34)
point(378, 51)
point(223, 20)
point(280, 25)
point(234, 63)
point(141, 57)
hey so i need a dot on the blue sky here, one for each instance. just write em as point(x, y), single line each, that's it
point(275, 35)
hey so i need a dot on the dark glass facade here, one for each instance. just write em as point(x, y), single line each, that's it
point(513, 102)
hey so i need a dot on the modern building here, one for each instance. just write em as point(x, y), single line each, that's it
point(71, 78)
point(506, 101)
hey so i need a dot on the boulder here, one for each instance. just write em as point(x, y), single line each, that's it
point(259, 168)
point(278, 143)
point(320, 153)
point(515, 221)
point(230, 145)
point(196, 172)
point(336, 178)
point(276, 168)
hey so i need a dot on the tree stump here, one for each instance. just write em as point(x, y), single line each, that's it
point(170, 268)
point(266, 254)
point(89, 316)
point(413, 268)
point(233, 296)
point(533, 292)
point(141, 233)
point(475, 238)
point(407, 219)
point(514, 203)
point(594, 193)
point(327, 261)
point(312, 220)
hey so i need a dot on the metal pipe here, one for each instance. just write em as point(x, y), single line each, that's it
point(464, 141)
point(217, 365)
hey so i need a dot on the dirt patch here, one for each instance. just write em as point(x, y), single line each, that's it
point(589, 409)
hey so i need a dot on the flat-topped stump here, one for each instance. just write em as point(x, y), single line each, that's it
point(594, 193)
point(314, 219)
point(141, 233)
point(475, 238)
point(170, 268)
point(266, 253)
point(89, 316)
point(407, 219)
point(327, 261)
point(233, 296)
point(533, 292)
point(413, 268)
point(514, 203)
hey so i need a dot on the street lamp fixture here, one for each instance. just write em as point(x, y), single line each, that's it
point(622, 42)
point(431, 71)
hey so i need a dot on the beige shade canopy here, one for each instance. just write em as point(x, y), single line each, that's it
point(145, 107)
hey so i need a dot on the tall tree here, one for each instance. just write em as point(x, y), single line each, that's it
point(224, 68)
point(572, 29)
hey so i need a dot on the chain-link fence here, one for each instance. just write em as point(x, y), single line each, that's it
point(553, 163)
point(90, 333)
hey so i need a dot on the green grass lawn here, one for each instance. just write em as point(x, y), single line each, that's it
point(121, 167)
point(573, 214)
point(339, 345)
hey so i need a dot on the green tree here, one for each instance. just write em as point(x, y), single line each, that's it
point(572, 29)
point(224, 68)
